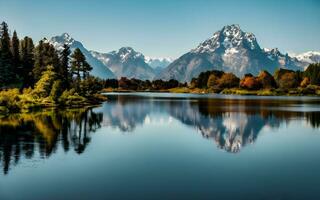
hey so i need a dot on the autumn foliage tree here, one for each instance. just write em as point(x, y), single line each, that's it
point(250, 82)
point(288, 80)
point(228, 80)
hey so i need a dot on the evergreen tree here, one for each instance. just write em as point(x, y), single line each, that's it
point(313, 73)
point(15, 53)
point(38, 61)
point(6, 67)
point(86, 68)
point(79, 65)
point(27, 61)
point(64, 66)
point(45, 55)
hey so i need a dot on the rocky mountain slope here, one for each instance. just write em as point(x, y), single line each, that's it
point(230, 50)
point(99, 69)
point(126, 62)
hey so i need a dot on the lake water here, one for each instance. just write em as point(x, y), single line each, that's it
point(165, 146)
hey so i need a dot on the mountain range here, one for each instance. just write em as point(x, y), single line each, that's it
point(230, 49)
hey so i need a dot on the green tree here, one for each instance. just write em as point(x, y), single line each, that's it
point(38, 61)
point(64, 66)
point(79, 65)
point(6, 66)
point(45, 55)
point(27, 61)
point(228, 80)
point(15, 53)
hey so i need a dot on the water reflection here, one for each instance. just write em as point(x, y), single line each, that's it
point(230, 123)
point(43, 132)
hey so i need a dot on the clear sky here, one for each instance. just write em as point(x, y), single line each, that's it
point(166, 28)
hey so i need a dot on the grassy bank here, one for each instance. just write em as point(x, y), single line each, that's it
point(14, 101)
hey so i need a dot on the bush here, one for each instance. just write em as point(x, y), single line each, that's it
point(56, 90)
point(43, 86)
point(70, 97)
point(10, 99)
point(305, 82)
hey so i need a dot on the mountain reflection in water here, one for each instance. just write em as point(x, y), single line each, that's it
point(230, 123)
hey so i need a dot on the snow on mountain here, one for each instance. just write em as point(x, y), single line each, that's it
point(99, 69)
point(158, 64)
point(126, 62)
point(309, 57)
point(230, 50)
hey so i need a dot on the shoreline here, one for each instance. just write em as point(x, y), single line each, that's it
point(231, 91)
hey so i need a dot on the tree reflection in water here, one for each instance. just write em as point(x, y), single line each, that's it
point(230, 123)
point(24, 134)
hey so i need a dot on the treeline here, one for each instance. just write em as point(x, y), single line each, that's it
point(41, 74)
point(141, 85)
point(283, 80)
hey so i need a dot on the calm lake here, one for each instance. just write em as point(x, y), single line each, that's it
point(165, 146)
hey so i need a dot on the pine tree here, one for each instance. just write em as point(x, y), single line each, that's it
point(45, 55)
point(86, 68)
point(6, 67)
point(79, 64)
point(27, 61)
point(15, 53)
point(38, 61)
point(64, 66)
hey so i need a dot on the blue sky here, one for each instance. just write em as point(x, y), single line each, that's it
point(166, 28)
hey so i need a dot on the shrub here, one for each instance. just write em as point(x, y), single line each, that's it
point(305, 82)
point(56, 90)
point(43, 86)
point(10, 99)
point(70, 97)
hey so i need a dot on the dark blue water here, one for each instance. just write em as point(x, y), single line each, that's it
point(165, 146)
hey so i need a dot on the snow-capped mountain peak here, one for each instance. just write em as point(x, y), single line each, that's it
point(232, 50)
point(59, 41)
point(309, 57)
point(158, 62)
point(229, 37)
point(126, 62)
point(99, 69)
point(127, 52)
